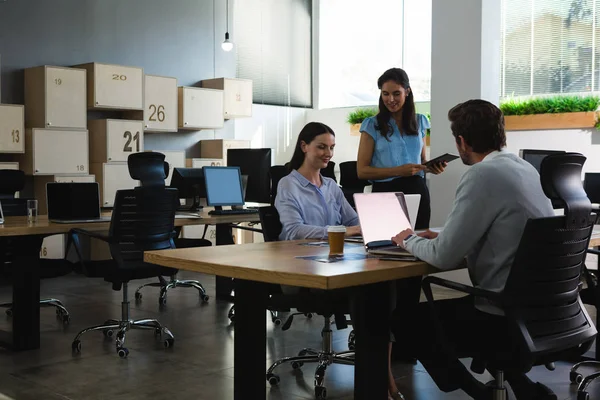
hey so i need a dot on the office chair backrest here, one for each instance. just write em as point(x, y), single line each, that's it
point(148, 167)
point(349, 177)
point(591, 185)
point(270, 223)
point(541, 295)
point(329, 171)
point(143, 219)
point(277, 172)
point(11, 181)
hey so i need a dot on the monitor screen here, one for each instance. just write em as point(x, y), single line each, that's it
point(255, 163)
point(189, 182)
point(535, 157)
point(73, 200)
point(223, 186)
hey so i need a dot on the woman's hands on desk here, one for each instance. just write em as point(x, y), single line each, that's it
point(353, 231)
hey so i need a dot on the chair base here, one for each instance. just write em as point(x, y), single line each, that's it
point(583, 382)
point(323, 358)
point(122, 326)
point(165, 285)
point(61, 311)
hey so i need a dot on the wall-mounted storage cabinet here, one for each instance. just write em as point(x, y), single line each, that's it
point(12, 132)
point(55, 152)
point(114, 87)
point(160, 104)
point(217, 148)
point(204, 162)
point(112, 177)
point(9, 165)
point(200, 108)
point(237, 101)
point(114, 139)
point(55, 97)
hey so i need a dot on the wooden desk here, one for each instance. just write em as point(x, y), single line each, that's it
point(254, 265)
point(26, 241)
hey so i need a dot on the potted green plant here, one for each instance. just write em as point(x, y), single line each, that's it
point(356, 117)
point(427, 136)
point(557, 112)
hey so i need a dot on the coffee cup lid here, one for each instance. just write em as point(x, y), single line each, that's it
point(336, 228)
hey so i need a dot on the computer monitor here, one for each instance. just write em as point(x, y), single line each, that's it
point(223, 186)
point(190, 184)
point(255, 163)
point(535, 157)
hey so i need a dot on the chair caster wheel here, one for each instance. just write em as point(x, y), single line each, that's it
point(138, 296)
point(276, 321)
point(308, 315)
point(108, 333)
point(58, 312)
point(575, 377)
point(66, 319)
point(205, 298)
point(583, 396)
point(168, 343)
point(162, 301)
point(9, 312)
point(297, 364)
point(122, 352)
point(76, 346)
point(320, 393)
point(157, 332)
point(273, 379)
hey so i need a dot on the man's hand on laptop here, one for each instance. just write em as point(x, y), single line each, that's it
point(398, 240)
point(353, 231)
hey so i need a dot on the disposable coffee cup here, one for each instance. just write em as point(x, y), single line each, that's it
point(336, 239)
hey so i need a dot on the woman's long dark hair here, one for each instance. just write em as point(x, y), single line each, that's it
point(307, 135)
point(409, 117)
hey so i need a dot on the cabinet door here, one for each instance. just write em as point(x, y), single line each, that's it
point(53, 247)
point(123, 138)
point(202, 108)
point(66, 98)
point(12, 136)
point(160, 104)
point(116, 86)
point(115, 177)
point(60, 152)
point(207, 162)
point(9, 165)
point(238, 98)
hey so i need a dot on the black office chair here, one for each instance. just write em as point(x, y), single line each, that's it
point(334, 304)
point(143, 219)
point(277, 172)
point(545, 317)
point(151, 169)
point(12, 181)
point(349, 181)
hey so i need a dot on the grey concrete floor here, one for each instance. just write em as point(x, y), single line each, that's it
point(199, 367)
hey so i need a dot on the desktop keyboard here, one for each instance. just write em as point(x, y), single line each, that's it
point(233, 212)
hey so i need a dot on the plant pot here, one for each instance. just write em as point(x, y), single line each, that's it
point(355, 129)
point(572, 120)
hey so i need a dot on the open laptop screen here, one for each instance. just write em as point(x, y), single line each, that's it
point(72, 200)
point(381, 215)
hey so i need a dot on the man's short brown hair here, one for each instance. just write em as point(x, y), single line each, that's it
point(480, 123)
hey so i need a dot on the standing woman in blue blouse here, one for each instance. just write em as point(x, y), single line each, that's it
point(392, 151)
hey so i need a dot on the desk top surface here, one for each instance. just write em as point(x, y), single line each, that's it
point(277, 262)
point(18, 226)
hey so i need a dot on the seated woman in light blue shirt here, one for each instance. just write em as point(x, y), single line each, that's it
point(308, 202)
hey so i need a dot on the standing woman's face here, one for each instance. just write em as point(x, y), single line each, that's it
point(393, 96)
point(319, 151)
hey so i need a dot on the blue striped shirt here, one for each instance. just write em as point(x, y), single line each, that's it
point(306, 210)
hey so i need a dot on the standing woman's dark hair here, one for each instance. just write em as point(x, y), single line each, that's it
point(409, 118)
point(307, 135)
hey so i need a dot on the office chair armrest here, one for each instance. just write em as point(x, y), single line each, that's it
point(593, 251)
point(428, 281)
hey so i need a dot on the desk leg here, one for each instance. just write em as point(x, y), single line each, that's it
point(250, 339)
point(224, 286)
point(371, 325)
point(26, 295)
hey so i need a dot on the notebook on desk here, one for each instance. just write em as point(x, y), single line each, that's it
point(73, 202)
point(382, 216)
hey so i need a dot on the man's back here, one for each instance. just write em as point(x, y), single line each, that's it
point(494, 200)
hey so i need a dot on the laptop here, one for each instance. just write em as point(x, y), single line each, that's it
point(73, 202)
point(412, 205)
point(382, 216)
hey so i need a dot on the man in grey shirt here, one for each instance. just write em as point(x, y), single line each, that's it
point(494, 200)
